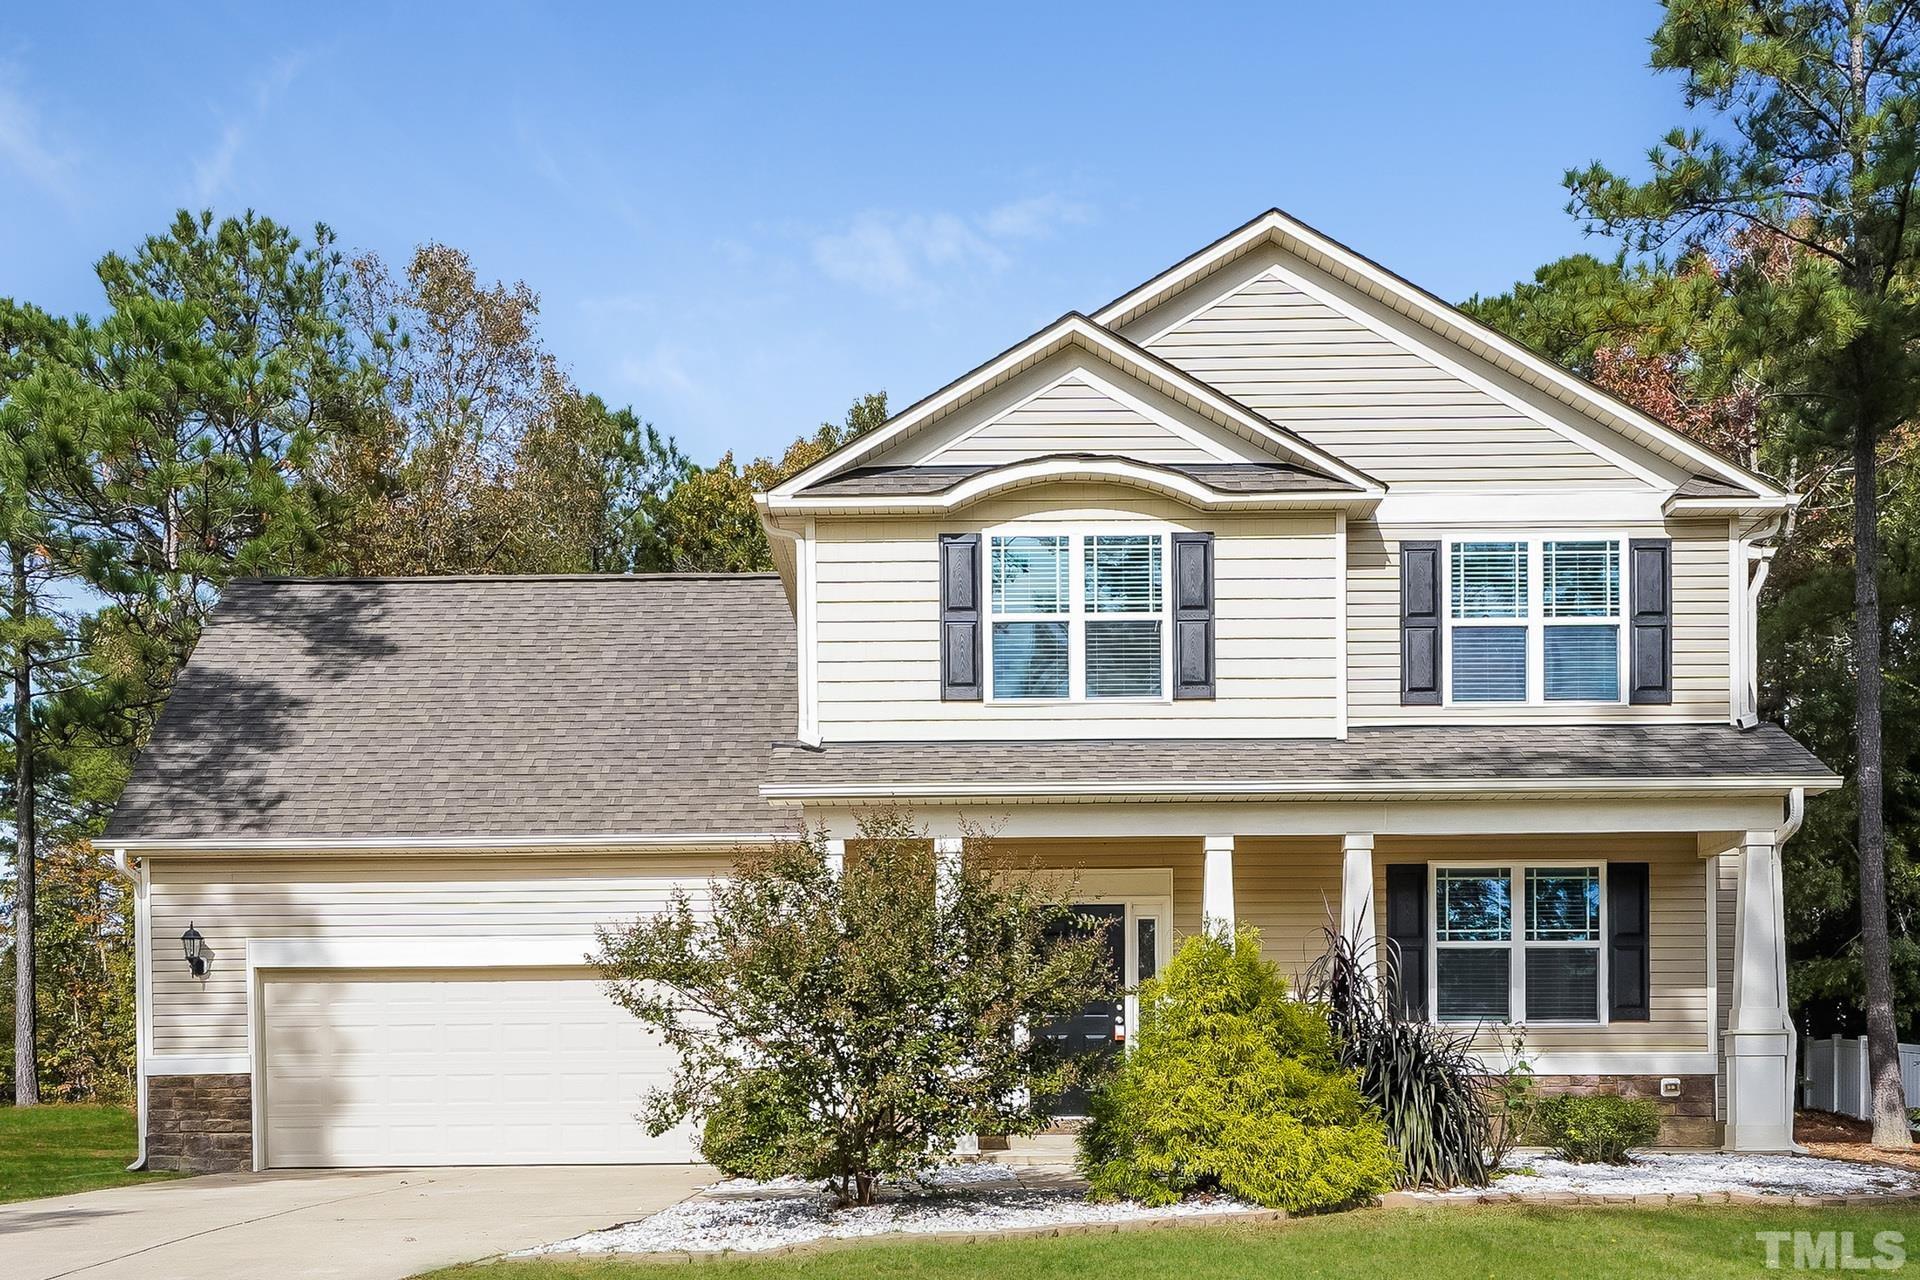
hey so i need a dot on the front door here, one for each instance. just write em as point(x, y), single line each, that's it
point(1101, 1027)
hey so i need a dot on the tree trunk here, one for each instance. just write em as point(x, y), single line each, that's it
point(1883, 1049)
point(26, 1062)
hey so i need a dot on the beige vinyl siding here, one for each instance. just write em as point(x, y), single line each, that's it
point(1371, 401)
point(1700, 628)
point(1071, 417)
point(402, 895)
point(1677, 887)
point(878, 624)
point(1284, 887)
point(1184, 858)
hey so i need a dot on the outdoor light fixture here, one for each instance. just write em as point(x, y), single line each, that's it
point(190, 943)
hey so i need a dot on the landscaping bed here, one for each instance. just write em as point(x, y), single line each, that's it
point(1703, 1173)
point(741, 1216)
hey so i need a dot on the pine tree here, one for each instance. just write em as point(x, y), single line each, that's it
point(1817, 142)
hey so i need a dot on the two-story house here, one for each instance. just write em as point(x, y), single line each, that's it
point(1273, 590)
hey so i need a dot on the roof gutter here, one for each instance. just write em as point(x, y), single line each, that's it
point(387, 844)
point(1756, 784)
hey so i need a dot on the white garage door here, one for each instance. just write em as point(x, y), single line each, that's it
point(457, 1067)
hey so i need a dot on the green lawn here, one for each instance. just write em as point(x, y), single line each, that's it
point(1467, 1242)
point(52, 1150)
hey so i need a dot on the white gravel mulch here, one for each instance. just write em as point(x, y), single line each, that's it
point(751, 1217)
point(1700, 1173)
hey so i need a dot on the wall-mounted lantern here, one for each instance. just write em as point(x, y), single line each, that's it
point(190, 943)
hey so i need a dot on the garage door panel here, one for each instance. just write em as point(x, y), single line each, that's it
point(457, 1068)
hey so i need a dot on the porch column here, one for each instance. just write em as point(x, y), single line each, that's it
point(1216, 885)
point(1356, 893)
point(946, 867)
point(1758, 1041)
point(836, 857)
point(946, 870)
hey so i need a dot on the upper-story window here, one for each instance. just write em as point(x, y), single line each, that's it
point(1076, 615)
point(1535, 621)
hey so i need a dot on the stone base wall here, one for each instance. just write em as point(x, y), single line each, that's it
point(1686, 1121)
point(200, 1124)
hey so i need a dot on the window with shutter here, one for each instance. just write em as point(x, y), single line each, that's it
point(1534, 621)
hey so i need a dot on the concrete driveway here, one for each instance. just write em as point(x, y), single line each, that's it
point(382, 1224)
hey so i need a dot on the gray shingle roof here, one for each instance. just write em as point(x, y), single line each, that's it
point(1227, 477)
point(1369, 757)
point(473, 707)
point(1702, 487)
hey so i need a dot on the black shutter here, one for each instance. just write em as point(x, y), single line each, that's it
point(1629, 972)
point(1193, 615)
point(960, 617)
point(1650, 578)
point(1420, 624)
point(1407, 937)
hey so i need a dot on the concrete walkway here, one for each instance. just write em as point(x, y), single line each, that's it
point(359, 1224)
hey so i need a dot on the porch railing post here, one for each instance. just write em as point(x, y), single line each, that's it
point(1759, 1036)
point(1216, 886)
point(1356, 894)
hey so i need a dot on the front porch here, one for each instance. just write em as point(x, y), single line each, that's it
point(1635, 947)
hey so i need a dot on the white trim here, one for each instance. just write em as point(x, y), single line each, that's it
point(303, 844)
point(1050, 468)
point(1342, 623)
point(1656, 1062)
point(1075, 329)
point(422, 952)
point(1711, 869)
point(1767, 784)
point(1544, 507)
point(807, 623)
point(1449, 322)
point(196, 1064)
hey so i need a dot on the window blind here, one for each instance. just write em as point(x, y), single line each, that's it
point(1563, 904)
point(1581, 579)
point(1123, 573)
point(1489, 580)
point(1489, 664)
point(1563, 984)
point(1582, 664)
point(1030, 660)
point(1123, 659)
point(1030, 574)
point(1473, 983)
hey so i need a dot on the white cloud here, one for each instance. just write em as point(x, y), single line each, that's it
point(213, 172)
point(909, 256)
point(26, 145)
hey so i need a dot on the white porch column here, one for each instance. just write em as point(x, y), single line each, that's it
point(1356, 893)
point(1758, 1041)
point(946, 870)
point(1216, 885)
point(836, 857)
point(946, 866)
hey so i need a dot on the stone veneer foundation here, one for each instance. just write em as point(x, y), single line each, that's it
point(200, 1124)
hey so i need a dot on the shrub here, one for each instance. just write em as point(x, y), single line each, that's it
point(1232, 1086)
point(1425, 1078)
point(751, 1127)
point(888, 1009)
point(1600, 1129)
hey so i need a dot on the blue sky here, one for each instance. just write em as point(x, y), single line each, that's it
point(740, 218)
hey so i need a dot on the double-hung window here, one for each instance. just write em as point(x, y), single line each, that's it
point(1517, 943)
point(1077, 615)
point(1535, 621)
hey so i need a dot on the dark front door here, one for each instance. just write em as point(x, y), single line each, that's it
point(1099, 1028)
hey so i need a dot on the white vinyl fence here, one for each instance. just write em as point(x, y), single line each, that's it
point(1837, 1076)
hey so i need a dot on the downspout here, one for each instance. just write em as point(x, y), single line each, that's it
point(142, 1005)
point(1759, 563)
point(1796, 814)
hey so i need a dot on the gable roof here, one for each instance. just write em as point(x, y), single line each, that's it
point(1074, 329)
point(477, 708)
point(1444, 319)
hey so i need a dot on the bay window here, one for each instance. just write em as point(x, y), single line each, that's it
point(1517, 943)
point(1079, 615)
point(1535, 621)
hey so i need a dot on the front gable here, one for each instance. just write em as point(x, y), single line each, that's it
point(1275, 335)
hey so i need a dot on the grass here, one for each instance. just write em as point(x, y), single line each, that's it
point(1448, 1243)
point(52, 1150)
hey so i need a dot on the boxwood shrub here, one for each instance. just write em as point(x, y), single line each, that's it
point(1598, 1129)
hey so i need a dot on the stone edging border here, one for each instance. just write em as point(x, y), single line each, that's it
point(1170, 1221)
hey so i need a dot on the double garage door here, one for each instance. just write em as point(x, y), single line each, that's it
point(485, 1066)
